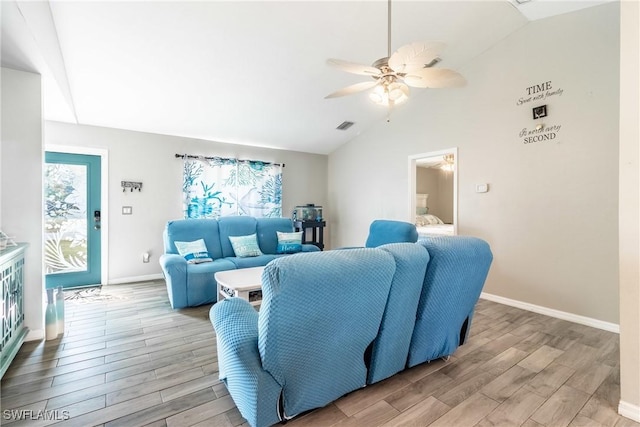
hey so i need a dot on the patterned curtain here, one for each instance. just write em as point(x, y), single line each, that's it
point(216, 187)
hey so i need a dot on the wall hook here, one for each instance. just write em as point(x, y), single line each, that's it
point(132, 185)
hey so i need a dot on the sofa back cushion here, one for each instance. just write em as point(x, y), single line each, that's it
point(319, 314)
point(190, 230)
point(383, 231)
point(452, 285)
point(267, 236)
point(234, 226)
point(391, 347)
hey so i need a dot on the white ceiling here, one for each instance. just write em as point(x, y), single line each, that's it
point(237, 71)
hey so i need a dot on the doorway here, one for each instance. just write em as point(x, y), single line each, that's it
point(72, 220)
point(433, 205)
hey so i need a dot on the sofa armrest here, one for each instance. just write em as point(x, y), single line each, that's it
point(174, 268)
point(254, 391)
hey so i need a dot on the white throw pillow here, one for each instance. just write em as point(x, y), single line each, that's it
point(194, 252)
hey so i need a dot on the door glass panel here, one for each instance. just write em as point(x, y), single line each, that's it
point(65, 219)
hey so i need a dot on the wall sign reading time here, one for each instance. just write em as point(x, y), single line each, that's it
point(534, 94)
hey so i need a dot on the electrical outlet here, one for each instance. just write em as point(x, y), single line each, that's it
point(145, 257)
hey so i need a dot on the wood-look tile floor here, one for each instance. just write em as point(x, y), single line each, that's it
point(131, 360)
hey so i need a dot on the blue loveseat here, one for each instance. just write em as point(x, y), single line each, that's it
point(336, 321)
point(190, 285)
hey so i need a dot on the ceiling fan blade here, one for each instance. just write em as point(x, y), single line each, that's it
point(353, 68)
point(358, 87)
point(434, 78)
point(415, 56)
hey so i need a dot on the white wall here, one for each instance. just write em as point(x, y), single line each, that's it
point(149, 158)
point(551, 212)
point(21, 182)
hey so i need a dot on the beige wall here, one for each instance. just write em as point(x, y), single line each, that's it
point(629, 231)
point(149, 158)
point(21, 182)
point(438, 185)
point(551, 215)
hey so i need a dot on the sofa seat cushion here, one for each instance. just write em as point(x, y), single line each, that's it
point(256, 261)
point(201, 285)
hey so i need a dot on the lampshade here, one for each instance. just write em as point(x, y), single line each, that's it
point(390, 94)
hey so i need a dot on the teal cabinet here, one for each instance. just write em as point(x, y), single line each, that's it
point(12, 304)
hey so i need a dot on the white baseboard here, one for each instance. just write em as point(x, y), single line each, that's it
point(629, 411)
point(134, 279)
point(35, 335)
point(587, 321)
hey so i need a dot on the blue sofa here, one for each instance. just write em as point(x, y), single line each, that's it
point(190, 285)
point(336, 321)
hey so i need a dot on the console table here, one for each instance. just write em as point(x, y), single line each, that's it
point(12, 284)
point(316, 227)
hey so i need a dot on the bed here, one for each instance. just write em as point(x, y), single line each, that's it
point(428, 224)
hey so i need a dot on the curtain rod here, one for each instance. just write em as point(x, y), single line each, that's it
point(189, 156)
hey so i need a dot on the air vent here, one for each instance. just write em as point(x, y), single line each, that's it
point(345, 125)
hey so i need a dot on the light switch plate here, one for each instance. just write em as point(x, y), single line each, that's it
point(127, 210)
point(482, 188)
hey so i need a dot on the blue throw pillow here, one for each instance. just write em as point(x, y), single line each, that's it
point(245, 246)
point(289, 243)
point(194, 252)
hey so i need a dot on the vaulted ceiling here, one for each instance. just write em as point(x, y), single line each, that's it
point(238, 71)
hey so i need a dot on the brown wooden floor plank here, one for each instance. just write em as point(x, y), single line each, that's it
point(467, 413)
point(421, 414)
point(358, 401)
point(374, 415)
point(560, 409)
point(514, 411)
point(202, 412)
point(164, 410)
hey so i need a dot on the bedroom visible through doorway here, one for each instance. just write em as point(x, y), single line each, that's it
point(433, 188)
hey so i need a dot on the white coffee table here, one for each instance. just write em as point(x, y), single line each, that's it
point(245, 283)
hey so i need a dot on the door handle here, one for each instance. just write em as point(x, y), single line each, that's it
point(96, 220)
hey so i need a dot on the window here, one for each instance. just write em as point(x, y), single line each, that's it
point(215, 187)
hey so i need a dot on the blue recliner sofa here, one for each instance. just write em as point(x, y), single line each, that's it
point(329, 323)
point(190, 285)
point(336, 321)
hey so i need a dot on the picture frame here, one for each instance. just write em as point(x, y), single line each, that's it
point(539, 112)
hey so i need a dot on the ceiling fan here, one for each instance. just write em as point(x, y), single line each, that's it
point(411, 65)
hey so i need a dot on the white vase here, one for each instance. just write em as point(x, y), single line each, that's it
point(50, 318)
point(60, 310)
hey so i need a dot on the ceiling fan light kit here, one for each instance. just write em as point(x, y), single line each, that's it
point(390, 94)
point(411, 65)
